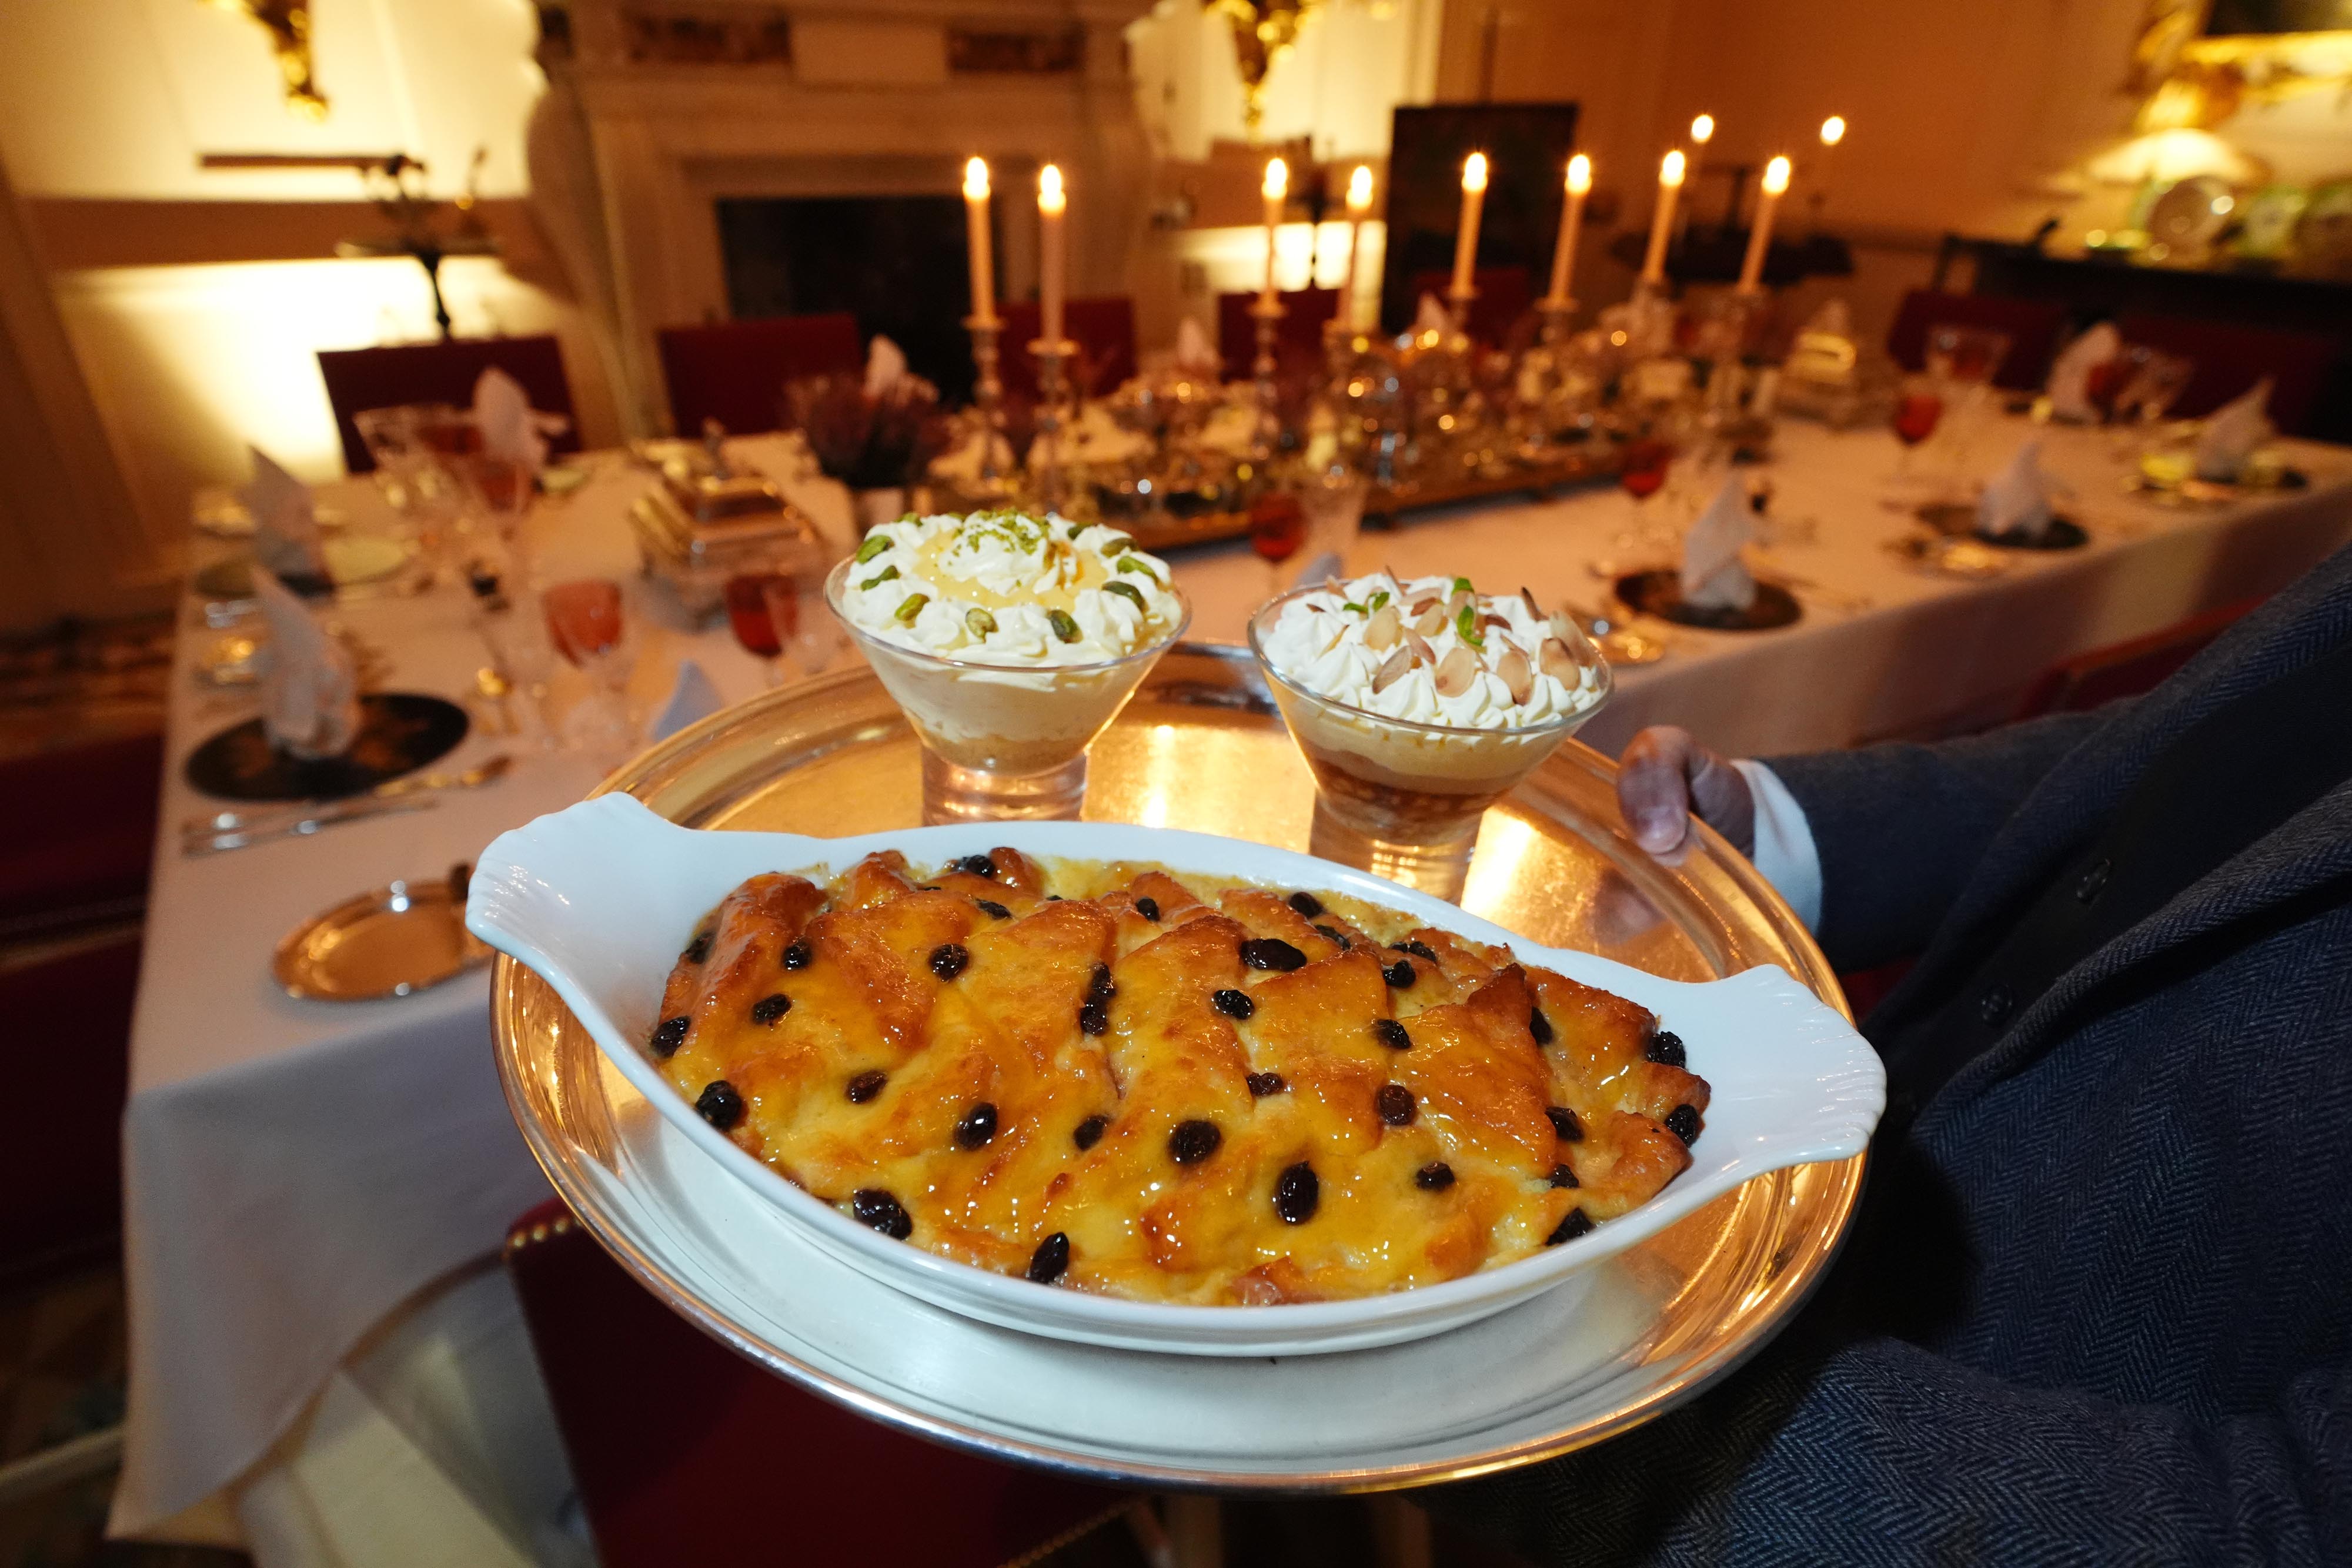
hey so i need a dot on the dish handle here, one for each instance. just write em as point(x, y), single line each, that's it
point(1816, 1095)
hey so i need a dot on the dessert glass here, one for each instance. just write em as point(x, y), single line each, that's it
point(1003, 741)
point(1402, 799)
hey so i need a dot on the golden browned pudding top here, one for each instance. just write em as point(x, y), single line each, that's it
point(1104, 1079)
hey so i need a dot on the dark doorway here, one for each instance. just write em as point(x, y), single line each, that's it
point(896, 263)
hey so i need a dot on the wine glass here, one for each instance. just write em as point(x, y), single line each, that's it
point(2156, 380)
point(755, 625)
point(587, 624)
point(1918, 409)
point(1277, 525)
point(804, 628)
point(1963, 361)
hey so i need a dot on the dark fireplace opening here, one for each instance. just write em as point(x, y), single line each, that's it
point(899, 264)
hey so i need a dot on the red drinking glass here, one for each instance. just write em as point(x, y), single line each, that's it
point(583, 618)
point(749, 615)
point(1916, 415)
point(1645, 467)
point(1277, 525)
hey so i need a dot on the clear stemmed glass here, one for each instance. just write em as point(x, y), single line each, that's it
point(588, 624)
point(1964, 360)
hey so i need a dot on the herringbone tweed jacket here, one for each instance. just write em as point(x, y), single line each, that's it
point(2098, 1308)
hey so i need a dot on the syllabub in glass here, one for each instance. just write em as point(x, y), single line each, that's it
point(1418, 703)
point(1009, 641)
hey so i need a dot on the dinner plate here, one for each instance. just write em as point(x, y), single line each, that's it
point(391, 941)
point(1199, 747)
point(1659, 593)
point(1958, 521)
point(398, 733)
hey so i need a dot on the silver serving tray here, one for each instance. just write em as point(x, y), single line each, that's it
point(1200, 747)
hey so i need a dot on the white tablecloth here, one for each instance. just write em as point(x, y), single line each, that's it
point(295, 1171)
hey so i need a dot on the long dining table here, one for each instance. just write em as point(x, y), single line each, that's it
point(325, 1364)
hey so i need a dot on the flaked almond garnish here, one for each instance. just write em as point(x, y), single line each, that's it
point(1457, 598)
point(1516, 674)
point(1456, 672)
point(1429, 623)
point(1564, 626)
point(1423, 654)
point(1554, 660)
point(1394, 669)
point(1487, 621)
point(1527, 597)
point(1423, 604)
point(1384, 629)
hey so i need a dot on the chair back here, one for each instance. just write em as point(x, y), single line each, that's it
point(362, 378)
point(1298, 337)
point(735, 371)
point(2033, 328)
point(1505, 294)
point(2126, 669)
point(685, 1452)
point(1103, 328)
point(67, 1057)
point(2230, 359)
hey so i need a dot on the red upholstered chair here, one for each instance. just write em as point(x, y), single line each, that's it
point(1103, 328)
point(1505, 294)
point(684, 1452)
point(2033, 328)
point(2231, 359)
point(360, 379)
point(735, 371)
point(1298, 337)
point(2126, 669)
point(89, 863)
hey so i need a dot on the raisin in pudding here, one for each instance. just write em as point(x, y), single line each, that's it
point(1103, 1078)
point(1009, 641)
point(1418, 703)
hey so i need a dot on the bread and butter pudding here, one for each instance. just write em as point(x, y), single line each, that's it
point(1102, 1077)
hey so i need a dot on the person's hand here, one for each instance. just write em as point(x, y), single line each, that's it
point(1665, 776)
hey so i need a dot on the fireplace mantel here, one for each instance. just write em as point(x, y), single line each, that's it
point(683, 103)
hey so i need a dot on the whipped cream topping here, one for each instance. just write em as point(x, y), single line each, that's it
point(1432, 650)
point(1005, 588)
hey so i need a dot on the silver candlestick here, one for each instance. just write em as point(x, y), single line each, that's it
point(1049, 482)
point(1459, 297)
point(1555, 314)
point(988, 397)
point(1268, 312)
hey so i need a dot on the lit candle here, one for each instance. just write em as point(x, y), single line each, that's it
point(1277, 186)
point(1360, 202)
point(1662, 222)
point(1832, 132)
point(975, 217)
point(1571, 218)
point(1760, 237)
point(1051, 204)
point(1465, 236)
point(1702, 129)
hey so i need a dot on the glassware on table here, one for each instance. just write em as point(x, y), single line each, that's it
point(1334, 504)
point(755, 628)
point(587, 622)
point(1404, 800)
point(1963, 361)
point(1278, 526)
point(2153, 380)
point(1918, 409)
point(777, 616)
point(1002, 742)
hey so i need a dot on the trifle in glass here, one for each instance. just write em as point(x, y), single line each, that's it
point(1418, 703)
point(1010, 640)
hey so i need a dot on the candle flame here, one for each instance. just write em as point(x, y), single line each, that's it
point(1277, 179)
point(1776, 176)
point(975, 180)
point(1670, 172)
point(1834, 130)
point(1702, 129)
point(1360, 189)
point(1580, 175)
point(1050, 198)
point(1473, 172)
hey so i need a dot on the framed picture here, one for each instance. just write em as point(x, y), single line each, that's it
point(2234, 18)
point(1527, 147)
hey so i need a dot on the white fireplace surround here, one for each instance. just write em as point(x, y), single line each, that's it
point(629, 158)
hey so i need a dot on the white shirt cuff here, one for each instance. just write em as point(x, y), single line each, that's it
point(1785, 855)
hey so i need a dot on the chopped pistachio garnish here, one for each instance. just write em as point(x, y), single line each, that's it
point(875, 545)
point(1064, 627)
point(1380, 599)
point(1129, 590)
point(979, 621)
point(887, 574)
point(1465, 626)
point(910, 607)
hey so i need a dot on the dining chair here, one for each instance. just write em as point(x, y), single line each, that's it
point(735, 371)
point(1298, 337)
point(685, 1452)
point(1103, 328)
point(362, 378)
point(1505, 294)
point(2033, 328)
point(2230, 359)
point(2126, 669)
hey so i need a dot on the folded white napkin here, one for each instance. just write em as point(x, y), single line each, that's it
point(1714, 577)
point(692, 698)
point(310, 694)
point(2015, 503)
point(285, 529)
point(1432, 317)
point(961, 462)
point(510, 430)
point(2232, 432)
point(886, 368)
point(2068, 385)
point(1195, 355)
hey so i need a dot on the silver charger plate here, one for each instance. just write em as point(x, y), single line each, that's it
point(391, 941)
point(1199, 746)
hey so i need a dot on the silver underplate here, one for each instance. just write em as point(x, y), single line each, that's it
point(395, 940)
point(1201, 747)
